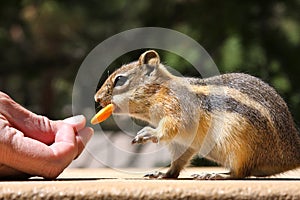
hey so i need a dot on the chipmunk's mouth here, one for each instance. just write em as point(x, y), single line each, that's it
point(103, 104)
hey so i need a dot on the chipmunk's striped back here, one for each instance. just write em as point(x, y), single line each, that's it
point(246, 95)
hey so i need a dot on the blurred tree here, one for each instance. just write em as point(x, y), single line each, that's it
point(43, 43)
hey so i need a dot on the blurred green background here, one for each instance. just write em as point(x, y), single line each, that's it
point(43, 43)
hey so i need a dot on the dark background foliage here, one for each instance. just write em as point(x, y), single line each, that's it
point(43, 43)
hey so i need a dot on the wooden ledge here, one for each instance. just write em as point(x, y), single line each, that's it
point(111, 184)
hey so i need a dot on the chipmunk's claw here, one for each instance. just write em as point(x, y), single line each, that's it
point(211, 176)
point(145, 135)
point(141, 140)
point(155, 175)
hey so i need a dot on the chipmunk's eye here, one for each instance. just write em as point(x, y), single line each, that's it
point(120, 80)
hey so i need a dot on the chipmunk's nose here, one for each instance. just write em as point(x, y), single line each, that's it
point(97, 98)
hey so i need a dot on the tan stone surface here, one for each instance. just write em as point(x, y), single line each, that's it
point(112, 184)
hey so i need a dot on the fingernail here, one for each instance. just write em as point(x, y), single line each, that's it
point(75, 119)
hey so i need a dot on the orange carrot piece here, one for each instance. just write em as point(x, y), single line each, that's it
point(103, 114)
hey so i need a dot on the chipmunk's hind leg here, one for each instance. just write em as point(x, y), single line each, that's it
point(181, 155)
point(239, 169)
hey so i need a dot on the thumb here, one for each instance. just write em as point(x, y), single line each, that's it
point(77, 122)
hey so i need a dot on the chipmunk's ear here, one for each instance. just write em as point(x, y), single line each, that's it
point(150, 57)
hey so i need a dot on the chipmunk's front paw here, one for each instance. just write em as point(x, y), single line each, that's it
point(145, 135)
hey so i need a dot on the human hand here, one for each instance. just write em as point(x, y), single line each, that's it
point(33, 145)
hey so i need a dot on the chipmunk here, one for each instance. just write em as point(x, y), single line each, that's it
point(241, 120)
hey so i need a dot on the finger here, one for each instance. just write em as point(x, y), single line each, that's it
point(32, 125)
point(83, 138)
point(83, 135)
point(23, 153)
point(33, 157)
point(77, 122)
point(65, 144)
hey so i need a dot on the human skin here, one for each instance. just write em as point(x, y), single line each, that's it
point(33, 145)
